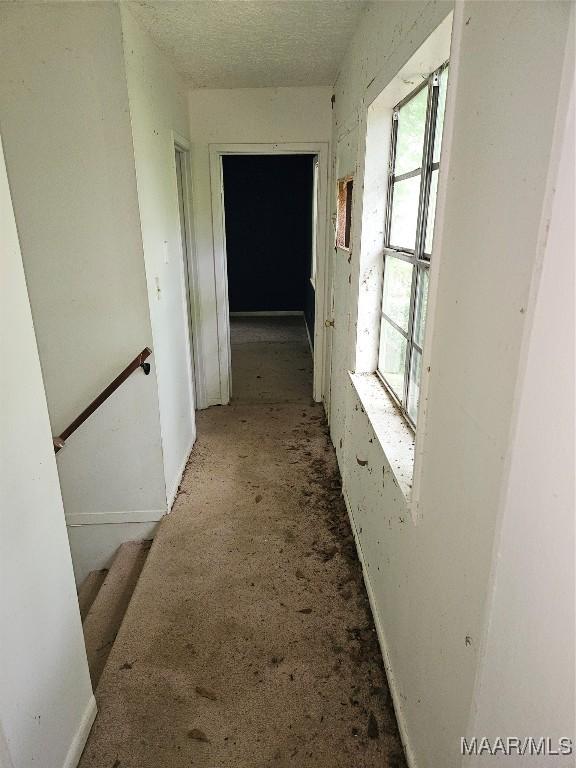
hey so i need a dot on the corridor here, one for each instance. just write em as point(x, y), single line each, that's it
point(286, 481)
point(249, 641)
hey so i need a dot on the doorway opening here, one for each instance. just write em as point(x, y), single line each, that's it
point(320, 264)
point(270, 204)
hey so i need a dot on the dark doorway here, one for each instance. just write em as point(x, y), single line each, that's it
point(268, 214)
point(268, 204)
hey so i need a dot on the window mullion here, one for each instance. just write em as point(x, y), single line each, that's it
point(427, 158)
point(390, 190)
point(408, 361)
point(420, 227)
point(394, 325)
point(407, 175)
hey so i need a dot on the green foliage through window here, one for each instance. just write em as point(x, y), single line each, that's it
point(411, 206)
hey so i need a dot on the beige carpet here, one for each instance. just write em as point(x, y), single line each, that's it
point(271, 360)
point(248, 642)
point(271, 329)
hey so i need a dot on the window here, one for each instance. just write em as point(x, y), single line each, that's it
point(344, 222)
point(409, 227)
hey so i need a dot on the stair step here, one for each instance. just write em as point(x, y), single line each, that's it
point(89, 589)
point(104, 618)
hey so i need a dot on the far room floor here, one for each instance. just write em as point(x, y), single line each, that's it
point(271, 359)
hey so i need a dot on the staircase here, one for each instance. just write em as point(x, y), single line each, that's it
point(104, 598)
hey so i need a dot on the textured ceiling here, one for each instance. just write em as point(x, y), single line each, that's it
point(252, 43)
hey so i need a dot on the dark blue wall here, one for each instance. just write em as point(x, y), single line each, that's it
point(268, 206)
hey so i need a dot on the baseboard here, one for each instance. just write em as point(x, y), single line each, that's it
point(398, 711)
point(173, 493)
point(270, 313)
point(116, 518)
point(81, 736)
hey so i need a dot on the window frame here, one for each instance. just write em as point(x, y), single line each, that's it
point(417, 256)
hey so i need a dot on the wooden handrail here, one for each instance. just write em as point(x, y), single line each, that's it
point(138, 362)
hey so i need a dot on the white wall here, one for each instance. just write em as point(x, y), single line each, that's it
point(158, 110)
point(67, 136)
point(251, 116)
point(530, 641)
point(46, 702)
point(429, 576)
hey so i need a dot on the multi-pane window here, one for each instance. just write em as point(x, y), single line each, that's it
point(411, 205)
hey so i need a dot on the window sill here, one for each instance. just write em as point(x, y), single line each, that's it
point(393, 433)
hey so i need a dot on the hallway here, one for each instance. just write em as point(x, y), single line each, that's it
point(249, 641)
point(286, 481)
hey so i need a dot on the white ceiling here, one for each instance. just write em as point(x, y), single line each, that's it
point(252, 43)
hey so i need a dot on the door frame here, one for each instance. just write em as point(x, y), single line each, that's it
point(190, 265)
point(217, 152)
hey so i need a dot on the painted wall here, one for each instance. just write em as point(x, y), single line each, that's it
point(68, 144)
point(254, 115)
point(268, 214)
point(429, 576)
point(46, 704)
point(158, 113)
point(530, 640)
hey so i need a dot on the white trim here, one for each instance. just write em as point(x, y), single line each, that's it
point(216, 151)
point(220, 276)
point(81, 736)
point(308, 337)
point(314, 259)
point(392, 431)
point(181, 142)
point(106, 518)
point(195, 336)
point(323, 218)
point(180, 475)
point(456, 20)
point(266, 313)
point(327, 286)
point(392, 685)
